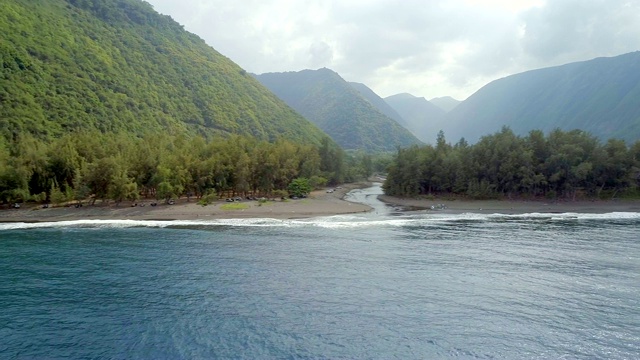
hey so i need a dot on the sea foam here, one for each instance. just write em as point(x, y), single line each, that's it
point(330, 222)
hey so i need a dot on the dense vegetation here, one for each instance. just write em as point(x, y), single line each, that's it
point(567, 165)
point(93, 165)
point(599, 96)
point(378, 102)
point(326, 99)
point(117, 65)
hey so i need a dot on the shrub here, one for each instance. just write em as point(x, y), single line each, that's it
point(299, 187)
point(208, 198)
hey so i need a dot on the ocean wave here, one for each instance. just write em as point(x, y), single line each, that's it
point(496, 217)
point(330, 222)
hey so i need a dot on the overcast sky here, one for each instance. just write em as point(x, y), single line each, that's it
point(428, 48)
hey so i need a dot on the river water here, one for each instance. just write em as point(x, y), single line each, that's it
point(389, 284)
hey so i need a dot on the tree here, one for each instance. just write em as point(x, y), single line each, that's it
point(209, 197)
point(80, 189)
point(56, 196)
point(122, 187)
point(99, 175)
point(13, 180)
point(63, 161)
point(165, 191)
point(317, 182)
point(331, 162)
point(299, 187)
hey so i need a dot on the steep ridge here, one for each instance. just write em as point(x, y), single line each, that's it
point(326, 99)
point(119, 66)
point(378, 102)
point(599, 96)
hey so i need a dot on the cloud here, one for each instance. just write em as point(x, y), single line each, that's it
point(429, 48)
point(320, 54)
point(572, 30)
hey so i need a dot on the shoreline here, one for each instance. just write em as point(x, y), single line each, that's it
point(514, 207)
point(318, 203)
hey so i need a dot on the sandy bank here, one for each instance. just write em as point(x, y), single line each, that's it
point(319, 203)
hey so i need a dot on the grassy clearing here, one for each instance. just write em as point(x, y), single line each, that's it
point(234, 206)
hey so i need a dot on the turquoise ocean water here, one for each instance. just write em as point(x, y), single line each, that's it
point(389, 284)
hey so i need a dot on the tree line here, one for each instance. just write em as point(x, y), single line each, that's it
point(93, 165)
point(562, 164)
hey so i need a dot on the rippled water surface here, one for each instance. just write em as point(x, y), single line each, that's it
point(383, 285)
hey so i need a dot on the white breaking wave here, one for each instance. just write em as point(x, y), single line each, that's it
point(143, 223)
point(331, 222)
point(527, 217)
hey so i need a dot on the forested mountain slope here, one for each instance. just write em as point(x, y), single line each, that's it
point(326, 99)
point(119, 66)
point(421, 117)
point(378, 102)
point(600, 96)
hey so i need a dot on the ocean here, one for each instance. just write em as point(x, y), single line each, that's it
point(389, 284)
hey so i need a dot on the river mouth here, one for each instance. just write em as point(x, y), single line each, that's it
point(370, 197)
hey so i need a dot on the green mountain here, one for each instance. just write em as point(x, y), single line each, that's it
point(600, 96)
point(118, 65)
point(421, 117)
point(378, 102)
point(446, 103)
point(326, 99)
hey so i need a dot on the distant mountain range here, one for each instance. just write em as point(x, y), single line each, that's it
point(350, 118)
point(446, 103)
point(421, 117)
point(119, 66)
point(600, 96)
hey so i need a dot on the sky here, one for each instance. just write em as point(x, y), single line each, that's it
point(428, 48)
